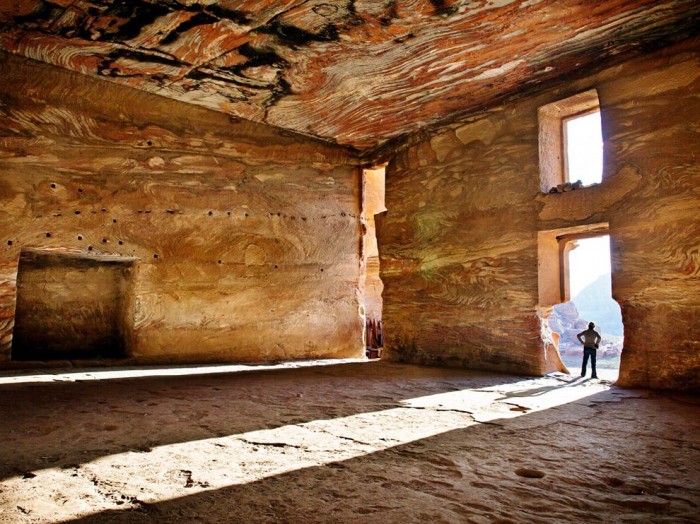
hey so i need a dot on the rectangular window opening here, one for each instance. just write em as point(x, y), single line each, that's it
point(570, 143)
point(584, 148)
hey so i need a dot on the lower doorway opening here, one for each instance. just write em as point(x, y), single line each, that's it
point(587, 280)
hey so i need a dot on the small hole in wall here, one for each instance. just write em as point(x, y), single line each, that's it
point(220, 262)
point(48, 235)
point(80, 237)
point(321, 270)
point(114, 221)
point(53, 186)
point(80, 190)
point(211, 213)
point(89, 248)
point(121, 243)
point(104, 209)
point(104, 240)
point(155, 255)
point(9, 242)
point(245, 214)
point(275, 266)
point(77, 211)
point(228, 213)
point(149, 142)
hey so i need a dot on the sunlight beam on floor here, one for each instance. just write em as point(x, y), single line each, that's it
point(125, 480)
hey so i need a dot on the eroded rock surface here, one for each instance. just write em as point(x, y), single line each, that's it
point(243, 240)
point(459, 243)
point(357, 72)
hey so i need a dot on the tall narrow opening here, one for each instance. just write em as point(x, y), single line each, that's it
point(373, 181)
point(584, 148)
point(71, 307)
point(587, 289)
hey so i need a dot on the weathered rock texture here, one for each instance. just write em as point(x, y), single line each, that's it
point(458, 246)
point(370, 443)
point(356, 71)
point(244, 240)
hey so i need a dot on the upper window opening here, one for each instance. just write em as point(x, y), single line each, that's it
point(584, 148)
point(570, 143)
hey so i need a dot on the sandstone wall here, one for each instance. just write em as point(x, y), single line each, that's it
point(245, 239)
point(459, 243)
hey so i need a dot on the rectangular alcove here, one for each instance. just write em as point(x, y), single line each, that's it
point(71, 306)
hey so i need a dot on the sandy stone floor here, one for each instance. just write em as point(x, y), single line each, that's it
point(347, 442)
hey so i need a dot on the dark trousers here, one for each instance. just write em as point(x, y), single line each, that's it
point(588, 352)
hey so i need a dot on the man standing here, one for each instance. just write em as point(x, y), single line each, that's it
point(590, 340)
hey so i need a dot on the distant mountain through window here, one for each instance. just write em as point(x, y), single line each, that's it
point(588, 261)
point(595, 304)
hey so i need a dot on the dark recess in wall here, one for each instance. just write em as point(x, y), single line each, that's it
point(70, 307)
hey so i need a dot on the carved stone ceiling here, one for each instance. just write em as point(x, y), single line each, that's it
point(357, 72)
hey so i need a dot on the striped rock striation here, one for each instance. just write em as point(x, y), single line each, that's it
point(461, 242)
point(357, 72)
point(233, 241)
point(166, 232)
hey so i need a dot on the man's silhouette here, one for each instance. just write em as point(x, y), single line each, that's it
point(590, 340)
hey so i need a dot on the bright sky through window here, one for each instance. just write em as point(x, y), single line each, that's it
point(588, 261)
point(584, 149)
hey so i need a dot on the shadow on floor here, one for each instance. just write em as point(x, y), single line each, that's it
point(605, 458)
point(61, 424)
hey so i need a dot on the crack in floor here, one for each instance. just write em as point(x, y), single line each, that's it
point(343, 437)
point(356, 455)
point(272, 444)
